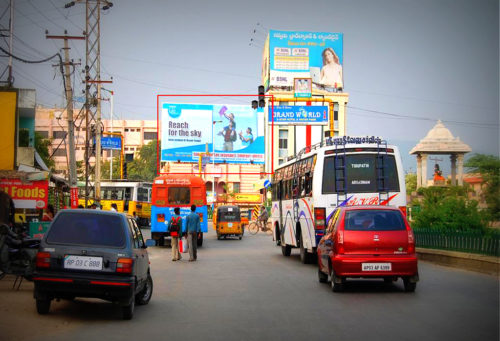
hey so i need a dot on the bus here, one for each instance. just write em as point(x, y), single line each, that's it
point(339, 171)
point(129, 197)
point(175, 190)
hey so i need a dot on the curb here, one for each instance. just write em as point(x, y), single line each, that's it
point(468, 261)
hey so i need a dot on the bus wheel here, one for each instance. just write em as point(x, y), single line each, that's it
point(286, 250)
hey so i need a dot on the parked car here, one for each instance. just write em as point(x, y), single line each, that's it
point(367, 242)
point(91, 253)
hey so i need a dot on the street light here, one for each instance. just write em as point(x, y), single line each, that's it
point(213, 160)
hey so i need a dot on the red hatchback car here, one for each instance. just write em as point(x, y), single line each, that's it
point(367, 242)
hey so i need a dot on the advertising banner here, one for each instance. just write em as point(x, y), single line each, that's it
point(299, 114)
point(74, 197)
point(28, 194)
point(297, 54)
point(8, 103)
point(233, 133)
point(114, 143)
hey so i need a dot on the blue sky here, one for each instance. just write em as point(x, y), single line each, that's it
point(407, 63)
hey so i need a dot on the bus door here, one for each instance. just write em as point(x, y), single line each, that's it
point(129, 192)
point(280, 205)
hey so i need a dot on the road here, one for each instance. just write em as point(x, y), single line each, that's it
point(246, 290)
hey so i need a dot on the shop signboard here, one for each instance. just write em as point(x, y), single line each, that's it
point(233, 133)
point(38, 229)
point(29, 195)
point(298, 114)
point(297, 54)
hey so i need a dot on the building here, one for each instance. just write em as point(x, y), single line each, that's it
point(52, 123)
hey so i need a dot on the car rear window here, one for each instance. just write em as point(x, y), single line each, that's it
point(87, 229)
point(374, 220)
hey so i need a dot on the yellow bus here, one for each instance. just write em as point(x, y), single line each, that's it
point(129, 196)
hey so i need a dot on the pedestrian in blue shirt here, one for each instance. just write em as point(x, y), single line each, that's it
point(192, 229)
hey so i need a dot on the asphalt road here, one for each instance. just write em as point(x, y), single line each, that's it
point(246, 290)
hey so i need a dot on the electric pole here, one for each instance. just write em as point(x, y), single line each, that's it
point(69, 110)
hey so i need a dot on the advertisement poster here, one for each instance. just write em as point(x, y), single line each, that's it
point(26, 194)
point(299, 114)
point(232, 133)
point(297, 54)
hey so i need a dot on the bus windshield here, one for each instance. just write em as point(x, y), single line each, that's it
point(179, 195)
point(361, 174)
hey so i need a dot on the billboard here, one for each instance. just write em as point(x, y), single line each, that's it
point(232, 133)
point(33, 194)
point(299, 114)
point(8, 104)
point(114, 143)
point(298, 54)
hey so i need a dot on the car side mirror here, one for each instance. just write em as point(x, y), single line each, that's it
point(150, 242)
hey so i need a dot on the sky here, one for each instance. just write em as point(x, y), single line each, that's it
point(407, 63)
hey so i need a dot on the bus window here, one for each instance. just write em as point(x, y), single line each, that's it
point(142, 194)
point(179, 195)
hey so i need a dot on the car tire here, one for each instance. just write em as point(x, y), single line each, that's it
point(336, 287)
point(143, 297)
point(42, 305)
point(409, 286)
point(322, 277)
point(286, 250)
point(128, 310)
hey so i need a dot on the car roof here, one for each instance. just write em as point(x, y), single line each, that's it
point(90, 211)
point(370, 207)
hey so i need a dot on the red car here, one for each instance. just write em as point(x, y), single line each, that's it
point(367, 242)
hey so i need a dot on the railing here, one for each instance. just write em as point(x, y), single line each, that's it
point(464, 241)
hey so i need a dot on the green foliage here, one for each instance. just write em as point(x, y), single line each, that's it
point(411, 182)
point(489, 168)
point(42, 148)
point(143, 168)
point(448, 208)
point(105, 169)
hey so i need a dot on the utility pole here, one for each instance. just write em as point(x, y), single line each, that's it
point(93, 92)
point(69, 110)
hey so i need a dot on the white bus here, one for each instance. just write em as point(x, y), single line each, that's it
point(340, 171)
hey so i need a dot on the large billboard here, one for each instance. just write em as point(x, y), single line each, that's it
point(8, 104)
point(297, 54)
point(232, 133)
point(298, 114)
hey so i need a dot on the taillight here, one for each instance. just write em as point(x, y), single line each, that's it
point(42, 260)
point(124, 265)
point(411, 242)
point(319, 218)
point(340, 241)
point(403, 209)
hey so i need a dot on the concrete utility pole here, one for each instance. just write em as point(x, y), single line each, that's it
point(69, 111)
point(93, 84)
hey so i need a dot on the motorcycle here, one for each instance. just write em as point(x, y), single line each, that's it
point(17, 254)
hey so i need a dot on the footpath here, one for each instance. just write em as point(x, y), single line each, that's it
point(474, 262)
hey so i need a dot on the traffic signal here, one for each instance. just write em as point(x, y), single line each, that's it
point(262, 96)
point(125, 170)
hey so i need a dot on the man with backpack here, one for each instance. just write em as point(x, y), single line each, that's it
point(175, 229)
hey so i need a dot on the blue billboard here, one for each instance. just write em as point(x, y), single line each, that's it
point(232, 133)
point(299, 114)
point(111, 143)
point(298, 54)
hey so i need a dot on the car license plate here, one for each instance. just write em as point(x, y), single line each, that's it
point(229, 224)
point(376, 267)
point(82, 262)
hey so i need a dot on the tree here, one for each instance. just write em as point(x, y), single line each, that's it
point(489, 168)
point(411, 182)
point(42, 148)
point(105, 169)
point(143, 168)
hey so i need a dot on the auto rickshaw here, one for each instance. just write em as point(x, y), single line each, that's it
point(227, 221)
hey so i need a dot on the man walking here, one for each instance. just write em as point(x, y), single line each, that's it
point(175, 228)
point(192, 229)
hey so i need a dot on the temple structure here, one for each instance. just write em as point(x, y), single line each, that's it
point(440, 141)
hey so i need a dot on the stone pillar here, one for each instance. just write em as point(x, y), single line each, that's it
point(424, 170)
point(419, 170)
point(460, 158)
point(453, 158)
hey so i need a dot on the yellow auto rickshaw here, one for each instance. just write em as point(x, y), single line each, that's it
point(227, 221)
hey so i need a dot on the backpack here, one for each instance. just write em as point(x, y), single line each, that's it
point(175, 225)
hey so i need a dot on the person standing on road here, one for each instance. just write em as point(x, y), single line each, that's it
point(114, 207)
point(175, 228)
point(192, 229)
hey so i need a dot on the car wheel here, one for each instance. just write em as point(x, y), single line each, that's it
point(286, 250)
point(337, 283)
point(128, 310)
point(322, 277)
point(143, 297)
point(42, 306)
point(409, 286)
